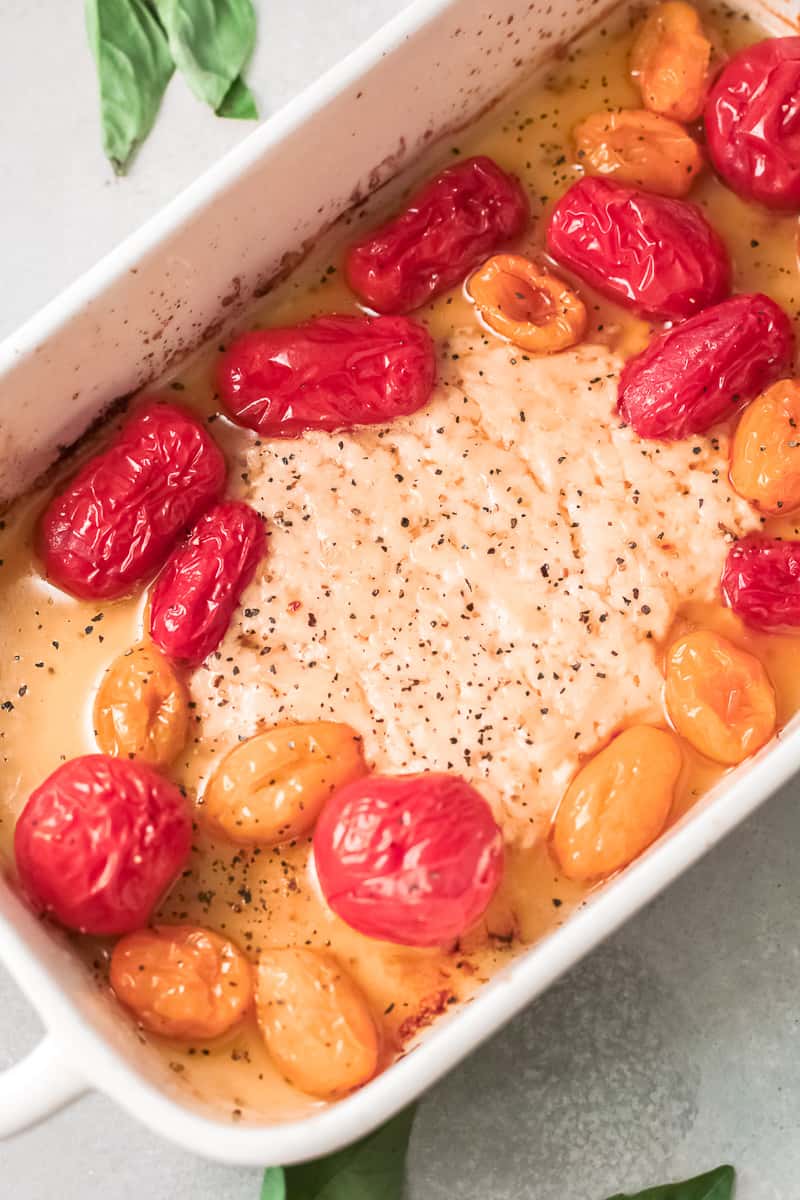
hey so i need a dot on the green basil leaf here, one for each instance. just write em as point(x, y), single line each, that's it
point(714, 1185)
point(134, 67)
point(239, 102)
point(372, 1169)
point(210, 41)
point(274, 1185)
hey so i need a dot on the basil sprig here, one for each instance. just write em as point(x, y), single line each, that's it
point(714, 1185)
point(372, 1169)
point(138, 43)
point(134, 66)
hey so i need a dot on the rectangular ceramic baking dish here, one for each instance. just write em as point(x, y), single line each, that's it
point(162, 292)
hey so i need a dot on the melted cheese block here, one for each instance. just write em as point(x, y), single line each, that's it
point(482, 587)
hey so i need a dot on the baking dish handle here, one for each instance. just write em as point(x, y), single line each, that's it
point(37, 1086)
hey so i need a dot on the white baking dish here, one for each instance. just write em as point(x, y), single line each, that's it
point(162, 291)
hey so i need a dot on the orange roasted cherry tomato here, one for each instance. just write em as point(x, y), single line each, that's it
point(617, 804)
point(271, 787)
point(719, 697)
point(641, 148)
point(765, 457)
point(315, 1021)
point(182, 981)
point(671, 60)
point(536, 312)
point(142, 708)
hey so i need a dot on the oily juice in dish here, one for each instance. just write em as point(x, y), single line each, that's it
point(57, 648)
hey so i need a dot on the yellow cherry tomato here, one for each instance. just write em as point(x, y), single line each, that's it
point(534, 311)
point(765, 456)
point(182, 981)
point(617, 804)
point(640, 148)
point(272, 787)
point(315, 1021)
point(719, 697)
point(141, 708)
point(671, 61)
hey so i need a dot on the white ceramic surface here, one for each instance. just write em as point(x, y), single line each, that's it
point(198, 248)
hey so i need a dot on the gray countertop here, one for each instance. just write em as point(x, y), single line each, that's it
point(674, 1047)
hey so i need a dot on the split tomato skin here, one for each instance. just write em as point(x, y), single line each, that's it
point(411, 859)
point(761, 582)
point(331, 373)
point(752, 123)
point(115, 522)
point(195, 595)
point(448, 228)
point(703, 370)
point(99, 843)
point(653, 254)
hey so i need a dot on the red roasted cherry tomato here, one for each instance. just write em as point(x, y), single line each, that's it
point(330, 373)
point(752, 122)
point(651, 253)
point(116, 521)
point(413, 859)
point(448, 228)
point(706, 368)
point(100, 841)
point(761, 582)
point(195, 595)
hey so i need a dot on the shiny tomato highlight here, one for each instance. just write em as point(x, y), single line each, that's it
point(413, 859)
point(330, 373)
point(99, 843)
point(447, 229)
point(116, 521)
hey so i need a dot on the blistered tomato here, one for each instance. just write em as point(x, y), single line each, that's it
point(272, 787)
point(182, 981)
point(705, 369)
point(650, 253)
point(114, 524)
point(535, 311)
point(617, 804)
point(458, 218)
point(752, 122)
point(315, 1021)
point(195, 595)
point(330, 373)
point(719, 697)
point(761, 582)
point(413, 859)
point(142, 708)
point(639, 148)
point(765, 457)
point(671, 61)
point(100, 841)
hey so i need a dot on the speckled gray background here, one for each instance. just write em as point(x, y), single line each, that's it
point(674, 1047)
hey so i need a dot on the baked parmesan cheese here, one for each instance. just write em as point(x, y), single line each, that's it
point(482, 587)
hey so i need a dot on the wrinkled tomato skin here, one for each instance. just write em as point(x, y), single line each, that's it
point(449, 227)
point(116, 521)
point(706, 368)
point(99, 843)
point(411, 859)
point(195, 595)
point(330, 373)
point(761, 582)
point(752, 123)
point(654, 254)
